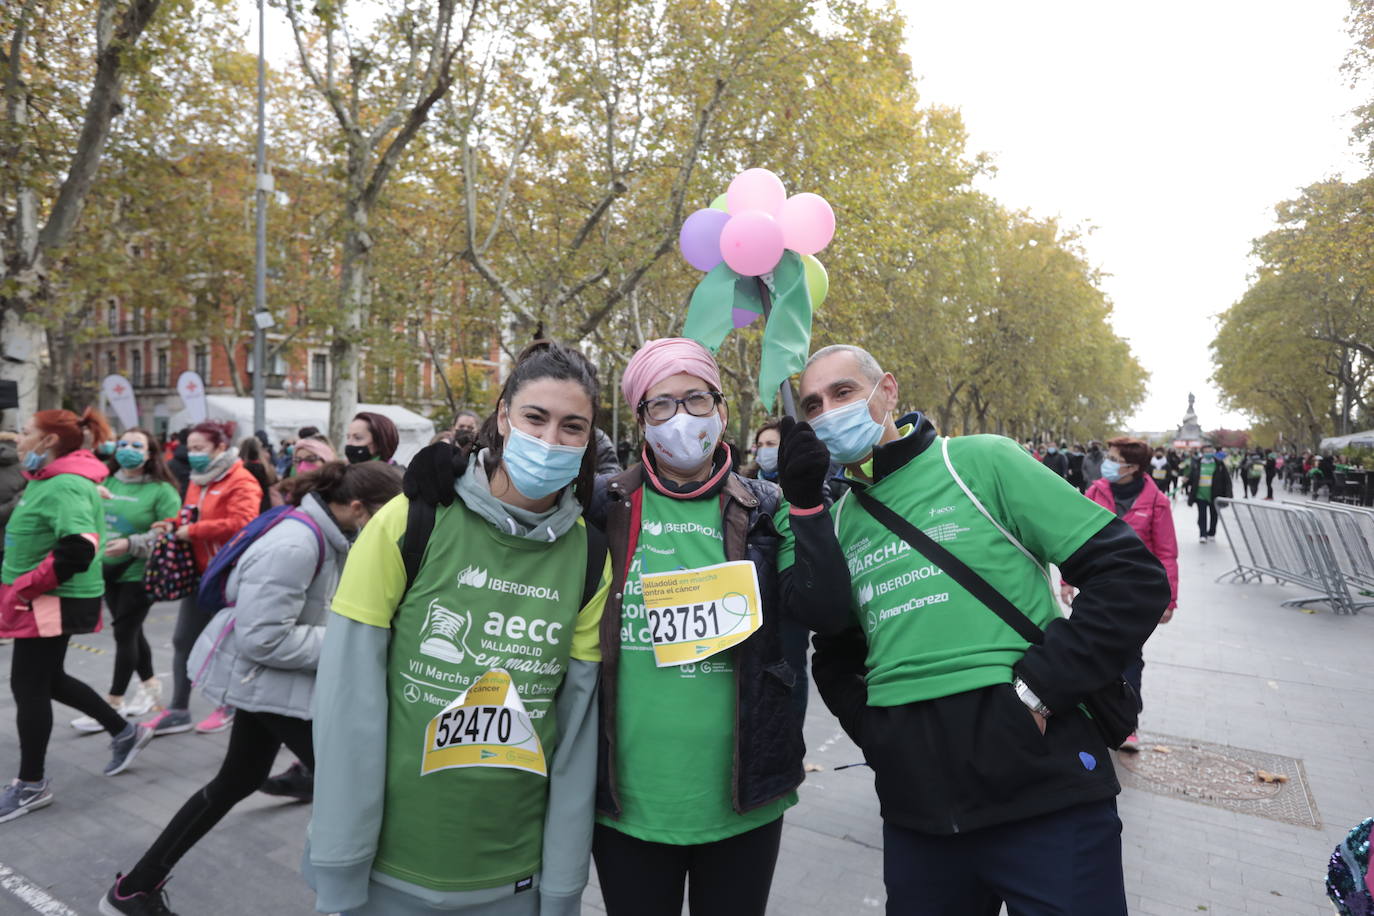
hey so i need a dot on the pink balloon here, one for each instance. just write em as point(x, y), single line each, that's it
point(755, 189)
point(751, 243)
point(808, 223)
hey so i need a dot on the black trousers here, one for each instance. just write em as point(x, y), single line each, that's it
point(129, 604)
point(730, 877)
point(191, 620)
point(254, 740)
point(1067, 863)
point(1206, 518)
point(37, 677)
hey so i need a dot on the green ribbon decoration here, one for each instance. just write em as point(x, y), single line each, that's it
point(787, 336)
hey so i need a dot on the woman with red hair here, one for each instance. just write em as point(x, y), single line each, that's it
point(50, 589)
point(371, 437)
point(225, 497)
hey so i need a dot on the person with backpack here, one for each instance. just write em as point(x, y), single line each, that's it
point(942, 651)
point(50, 588)
point(270, 589)
point(222, 498)
point(142, 490)
point(455, 721)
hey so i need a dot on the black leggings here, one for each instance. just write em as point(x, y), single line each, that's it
point(36, 679)
point(729, 877)
point(254, 741)
point(191, 620)
point(1206, 518)
point(129, 604)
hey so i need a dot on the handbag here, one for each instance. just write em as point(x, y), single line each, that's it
point(1114, 708)
point(170, 573)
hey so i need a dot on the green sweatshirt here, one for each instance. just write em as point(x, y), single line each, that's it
point(132, 508)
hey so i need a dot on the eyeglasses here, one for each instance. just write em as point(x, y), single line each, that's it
point(697, 403)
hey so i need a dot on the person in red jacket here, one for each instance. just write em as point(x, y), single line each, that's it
point(225, 497)
point(1127, 489)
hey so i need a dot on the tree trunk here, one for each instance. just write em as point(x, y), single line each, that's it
point(343, 351)
point(25, 345)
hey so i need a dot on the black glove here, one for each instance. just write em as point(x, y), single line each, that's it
point(803, 462)
point(433, 472)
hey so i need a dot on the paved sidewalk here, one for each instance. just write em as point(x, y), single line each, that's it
point(1233, 668)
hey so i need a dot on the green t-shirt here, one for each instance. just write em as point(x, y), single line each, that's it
point(131, 509)
point(48, 511)
point(1206, 469)
point(675, 727)
point(481, 600)
point(927, 636)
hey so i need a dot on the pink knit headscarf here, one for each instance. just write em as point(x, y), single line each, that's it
point(658, 359)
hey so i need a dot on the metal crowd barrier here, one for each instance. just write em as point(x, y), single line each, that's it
point(1350, 532)
point(1300, 544)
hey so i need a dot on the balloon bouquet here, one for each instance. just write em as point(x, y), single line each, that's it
point(758, 248)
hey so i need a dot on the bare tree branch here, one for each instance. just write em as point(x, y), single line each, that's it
point(101, 109)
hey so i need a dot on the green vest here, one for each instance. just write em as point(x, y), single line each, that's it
point(481, 600)
point(1204, 481)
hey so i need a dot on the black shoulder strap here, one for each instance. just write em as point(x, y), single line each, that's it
point(419, 526)
point(597, 547)
point(952, 566)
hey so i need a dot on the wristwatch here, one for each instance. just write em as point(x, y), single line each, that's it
point(1027, 696)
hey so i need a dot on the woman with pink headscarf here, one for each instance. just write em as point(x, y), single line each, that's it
point(701, 744)
point(702, 758)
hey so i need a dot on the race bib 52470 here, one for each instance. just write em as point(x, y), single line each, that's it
point(696, 613)
point(485, 727)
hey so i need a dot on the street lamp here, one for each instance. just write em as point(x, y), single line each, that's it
point(262, 319)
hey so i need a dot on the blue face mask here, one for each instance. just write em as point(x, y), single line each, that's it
point(198, 461)
point(536, 468)
point(767, 458)
point(130, 458)
point(34, 460)
point(849, 432)
point(1111, 470)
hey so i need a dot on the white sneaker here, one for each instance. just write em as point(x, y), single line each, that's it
point(88, 726)
point(145, 700)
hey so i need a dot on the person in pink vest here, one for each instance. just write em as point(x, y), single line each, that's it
point(1126, 489)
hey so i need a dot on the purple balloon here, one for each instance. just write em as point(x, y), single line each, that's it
point(744, 317)
point(700, 238)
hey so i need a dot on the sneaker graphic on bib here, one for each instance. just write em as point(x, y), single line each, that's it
point(443, 633)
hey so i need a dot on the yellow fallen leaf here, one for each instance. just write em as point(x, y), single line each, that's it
point(814, 768)
point(1162, 749)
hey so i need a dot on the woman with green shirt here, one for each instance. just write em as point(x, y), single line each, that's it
point(50, 587)
point(455, 718)
point(142, 491)
point(700, 759)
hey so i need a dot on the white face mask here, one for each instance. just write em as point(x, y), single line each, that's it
point(684, 443)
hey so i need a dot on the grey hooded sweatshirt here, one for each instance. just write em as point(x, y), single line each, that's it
point(350, 751)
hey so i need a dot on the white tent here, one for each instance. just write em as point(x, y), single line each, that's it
point(286, 415)
point(1354, 440)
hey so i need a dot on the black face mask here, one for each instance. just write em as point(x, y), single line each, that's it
point(357, 454)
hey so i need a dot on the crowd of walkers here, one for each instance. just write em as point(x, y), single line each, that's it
point(519, 659)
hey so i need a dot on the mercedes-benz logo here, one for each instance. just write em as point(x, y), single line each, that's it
point(412, 693)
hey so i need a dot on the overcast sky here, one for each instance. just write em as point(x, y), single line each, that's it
point(1172, 128)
